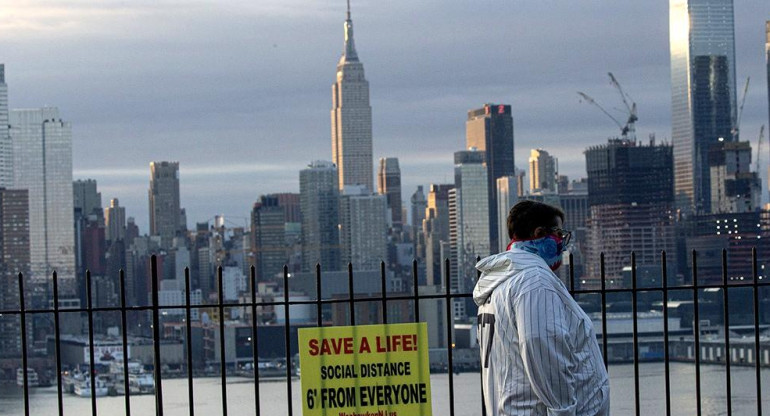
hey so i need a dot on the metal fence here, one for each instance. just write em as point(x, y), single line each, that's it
point(352, 299)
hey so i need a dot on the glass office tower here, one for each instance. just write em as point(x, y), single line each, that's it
point(702, 46)
point(42, 160)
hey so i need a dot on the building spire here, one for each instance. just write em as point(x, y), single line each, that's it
point(349, 54)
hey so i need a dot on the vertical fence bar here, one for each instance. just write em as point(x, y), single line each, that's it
point(635, 311)
point(351, 302)
point(124, 326)
point(222, 362)
point(605, 336)
point(416, 284)
point(728, 353)
point(287, 338)
point(664, 273)
point(156, 337)
point(24, 358)
point(450, 342)
point(254, 329)
point(757, 345)
point(188, 341)
point(57, 338)
point(481, 375)
point(384, 290)
point(92, 370)
point(318, 306)
point(696, 329)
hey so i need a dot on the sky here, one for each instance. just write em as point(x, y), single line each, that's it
point(239, 92)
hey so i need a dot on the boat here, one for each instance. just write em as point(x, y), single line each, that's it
point(134, 367)
point(85, 388)
point(267, 369)
point(142, 383)
point(32, 378)
point(139, 381)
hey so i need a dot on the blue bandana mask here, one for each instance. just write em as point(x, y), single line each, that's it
point(549, 248)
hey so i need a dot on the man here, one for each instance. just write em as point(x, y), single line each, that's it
point(539, 354)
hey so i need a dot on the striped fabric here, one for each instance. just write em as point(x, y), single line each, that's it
point(539, 354)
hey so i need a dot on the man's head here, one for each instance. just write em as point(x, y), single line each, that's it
point(537, 228)
point(529, 220)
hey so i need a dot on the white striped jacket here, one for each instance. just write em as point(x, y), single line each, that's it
point(539, 354)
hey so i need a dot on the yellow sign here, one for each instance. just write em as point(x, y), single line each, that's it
point(367, 370)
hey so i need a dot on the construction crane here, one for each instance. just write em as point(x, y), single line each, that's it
point(737, 126)
point(759, 147)
point(590, 100)
point(627, 131)
point(632, 118)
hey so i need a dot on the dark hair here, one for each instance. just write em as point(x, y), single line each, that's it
point(526, 216)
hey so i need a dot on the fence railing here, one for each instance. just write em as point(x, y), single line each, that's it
point(155, 309)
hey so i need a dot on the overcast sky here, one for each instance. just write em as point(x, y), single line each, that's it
point(239, 92)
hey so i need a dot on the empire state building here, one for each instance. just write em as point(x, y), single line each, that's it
point(352, 118)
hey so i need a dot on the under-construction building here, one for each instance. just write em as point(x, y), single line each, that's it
point(631, 202)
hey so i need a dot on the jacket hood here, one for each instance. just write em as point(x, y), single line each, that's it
point(498, 268)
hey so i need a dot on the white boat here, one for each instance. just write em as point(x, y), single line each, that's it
point(134, 367)
point(142, 383)
point(85, 388)
point(32, 379)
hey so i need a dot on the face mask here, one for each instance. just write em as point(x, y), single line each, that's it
point(549, 248)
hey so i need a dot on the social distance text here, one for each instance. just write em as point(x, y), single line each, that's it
point(365, 345)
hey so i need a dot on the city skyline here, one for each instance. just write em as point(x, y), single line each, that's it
point(439, 91)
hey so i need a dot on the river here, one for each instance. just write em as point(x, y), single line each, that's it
point(240, 395)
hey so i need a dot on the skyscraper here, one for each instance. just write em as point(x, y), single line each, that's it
point(86, 199)
point(115, 221)
point(469, 222)
point(520, 173)
point(506, 198)
point(14, 259)
point(418, 204)
point(6, 155)
point(543, 169)
point(42, 160)
point(734, 188)
point(631, 202)
point(268, 237)
point(702, 45)
point(116, 241)
point(89, 230)
point(351, 118)
point(436, 231)
point(363, 228)
point(767, 63)
point(319, 202)
point(165, 209)
point(289, 202)
point(490, 130)
point(389, 184)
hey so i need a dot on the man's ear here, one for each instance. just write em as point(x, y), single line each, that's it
point(539, 232)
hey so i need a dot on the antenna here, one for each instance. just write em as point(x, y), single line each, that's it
point(348, 9)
